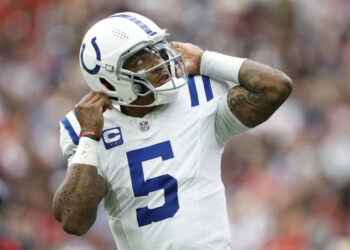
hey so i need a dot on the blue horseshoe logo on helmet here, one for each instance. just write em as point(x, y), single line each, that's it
point(95, 70)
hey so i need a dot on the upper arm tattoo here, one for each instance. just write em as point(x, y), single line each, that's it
point(261, 91)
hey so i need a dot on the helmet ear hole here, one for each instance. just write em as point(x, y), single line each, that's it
point(106, 84)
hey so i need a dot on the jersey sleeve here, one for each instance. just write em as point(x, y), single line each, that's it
point(69, 139)
point(67, 147)
point(226, 123)
point(210, 95)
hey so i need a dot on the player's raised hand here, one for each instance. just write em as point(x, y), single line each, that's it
point(192, 55)
point(90, 110)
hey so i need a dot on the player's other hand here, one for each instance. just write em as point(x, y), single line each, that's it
point(90, 110)
point(192, 55)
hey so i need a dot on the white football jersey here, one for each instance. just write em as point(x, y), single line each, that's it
point(163, 170)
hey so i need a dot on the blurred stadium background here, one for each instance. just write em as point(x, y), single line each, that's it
point(287, 182)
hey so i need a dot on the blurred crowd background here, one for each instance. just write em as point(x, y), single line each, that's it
point(287, 181)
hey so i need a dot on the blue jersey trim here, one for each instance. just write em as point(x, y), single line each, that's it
point(70, 130)
point(207, 88)
point(137, 22)
point(193, 92)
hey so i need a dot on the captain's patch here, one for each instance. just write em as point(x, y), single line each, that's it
point(112, 137)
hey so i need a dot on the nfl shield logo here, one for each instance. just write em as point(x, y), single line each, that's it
point(144, 126)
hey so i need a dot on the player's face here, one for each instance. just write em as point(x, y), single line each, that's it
point(144, 60)
point(158, 64)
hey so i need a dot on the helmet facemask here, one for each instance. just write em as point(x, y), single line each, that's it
point(158, 61)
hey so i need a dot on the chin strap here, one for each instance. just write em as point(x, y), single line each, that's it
point(167, 93)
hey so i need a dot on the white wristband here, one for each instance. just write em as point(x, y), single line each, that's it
point(87, 152)
point(221, 66)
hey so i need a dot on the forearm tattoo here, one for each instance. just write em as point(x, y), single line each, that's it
point(79, 195)
point(261, 91)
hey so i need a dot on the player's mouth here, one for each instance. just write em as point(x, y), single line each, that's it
point(163, 79)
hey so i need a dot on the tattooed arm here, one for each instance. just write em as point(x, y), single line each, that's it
point(261, 91)
point(76, 200)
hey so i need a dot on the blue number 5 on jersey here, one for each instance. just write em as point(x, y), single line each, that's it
point(142, 187)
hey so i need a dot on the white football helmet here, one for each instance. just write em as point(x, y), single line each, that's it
point(121, 38)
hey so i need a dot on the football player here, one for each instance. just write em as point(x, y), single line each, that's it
point(148, 139)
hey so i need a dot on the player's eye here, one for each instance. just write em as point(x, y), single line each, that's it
point(139, 62)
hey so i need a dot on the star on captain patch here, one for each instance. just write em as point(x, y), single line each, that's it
point(144, 126)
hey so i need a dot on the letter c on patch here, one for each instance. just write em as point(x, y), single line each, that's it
point(95, 70)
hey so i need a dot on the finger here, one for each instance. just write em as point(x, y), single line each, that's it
point(101, 96)
point(110, 105)
point(103, 104)
point(89, 96)
point(109, 102)
point(97, 97)
point(179, 45)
